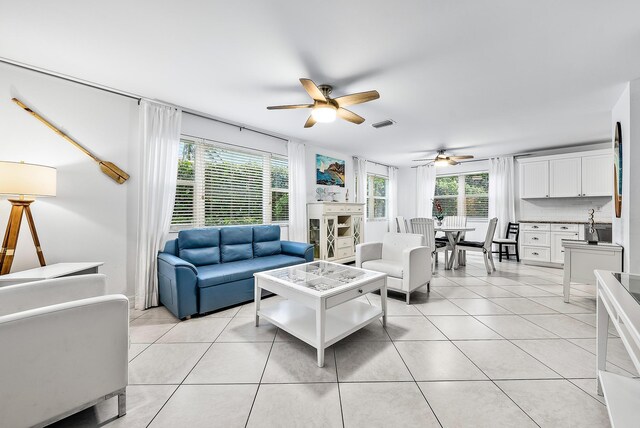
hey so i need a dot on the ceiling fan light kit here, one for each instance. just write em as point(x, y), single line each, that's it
point(325, 109)
point(324, 113)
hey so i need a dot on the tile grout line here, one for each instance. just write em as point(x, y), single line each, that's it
point(187, 375)
point(335, 361)
point(494, 383)
point(411, 374)
point(261, 376)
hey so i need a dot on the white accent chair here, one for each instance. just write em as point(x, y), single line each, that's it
point(485, 246)
point(425, 227)
point(64, 348)
point(402, 256)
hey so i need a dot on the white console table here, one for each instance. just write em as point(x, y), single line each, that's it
point(619, 302)
point(581, 258)
point(55, 270)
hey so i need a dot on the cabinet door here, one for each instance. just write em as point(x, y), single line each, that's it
point(597, 175)
point(557, 252)
point(564, 178)
point(534, 179)
point(330, 231)
point(358, 230)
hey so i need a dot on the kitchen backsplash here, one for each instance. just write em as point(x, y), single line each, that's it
point(569, 209)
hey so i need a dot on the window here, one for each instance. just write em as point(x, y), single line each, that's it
point(464, 195)
point(224, 185)
point(377, 194)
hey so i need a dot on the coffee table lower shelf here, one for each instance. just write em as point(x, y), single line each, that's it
point(300, 321)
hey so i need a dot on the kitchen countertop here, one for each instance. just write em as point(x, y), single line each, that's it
point(562, 222)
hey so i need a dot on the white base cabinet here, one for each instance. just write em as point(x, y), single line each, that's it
point(541, 243)
point(334, 229)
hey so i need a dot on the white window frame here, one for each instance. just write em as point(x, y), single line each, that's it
point(371, 198)
point(199, 179)
point(461, 196)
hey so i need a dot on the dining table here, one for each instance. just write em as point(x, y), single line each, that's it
point(454, 234)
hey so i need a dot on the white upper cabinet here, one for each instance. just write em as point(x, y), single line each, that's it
point(534, 179)
point(597, 175)
point(572, 175)
point(564, 178)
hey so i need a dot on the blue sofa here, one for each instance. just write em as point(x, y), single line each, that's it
point(212, 268)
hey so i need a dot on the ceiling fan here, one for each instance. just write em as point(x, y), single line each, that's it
point(325, 108)
point(444, 160)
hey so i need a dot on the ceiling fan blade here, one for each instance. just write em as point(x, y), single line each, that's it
point(312, 90)
point(359, 98)
point(423, 160)
point(350, 116)
point(452, 162)
point(289, 106)
point(461, 157)
point(310, 122)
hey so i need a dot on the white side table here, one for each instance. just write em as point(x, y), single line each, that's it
point(581, 258)
point(55, 270)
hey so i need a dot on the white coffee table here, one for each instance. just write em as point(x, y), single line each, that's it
point(321, 306)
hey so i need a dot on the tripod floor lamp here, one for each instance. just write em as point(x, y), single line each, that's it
point(24, 182)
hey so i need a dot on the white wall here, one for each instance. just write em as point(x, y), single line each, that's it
point(626, 230)
point(310, 168)
point(92, 218)
point(621, 112)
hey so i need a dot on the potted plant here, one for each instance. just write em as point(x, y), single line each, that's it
point(439, 212)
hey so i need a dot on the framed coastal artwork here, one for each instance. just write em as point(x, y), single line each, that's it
point(329, 171)
point(617, 170)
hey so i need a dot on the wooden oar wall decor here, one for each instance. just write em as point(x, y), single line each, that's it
point(110, 169)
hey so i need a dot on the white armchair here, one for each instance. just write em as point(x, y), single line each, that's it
point(402, 256)
point(64, 348)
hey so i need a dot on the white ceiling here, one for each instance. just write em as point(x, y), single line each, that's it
point(481, 76)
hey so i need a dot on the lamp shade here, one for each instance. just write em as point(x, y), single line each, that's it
point(26, 179)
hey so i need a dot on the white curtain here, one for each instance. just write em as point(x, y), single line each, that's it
point(361, 180)
point(159, 138)
point(502, 192)
point(393, 197)
point(297, 192)
point(425, 190)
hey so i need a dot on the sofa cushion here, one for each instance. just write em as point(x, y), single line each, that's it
point(209, 276)
point(391, 268)
point(236, 243)
point(199, 246)
point(266, 240)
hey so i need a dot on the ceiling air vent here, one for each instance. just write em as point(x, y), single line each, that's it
point(383, 124)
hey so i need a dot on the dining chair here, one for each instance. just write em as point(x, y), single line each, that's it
point(483, 246)
point(424, 226)
point(401, 225)
point(511, 238)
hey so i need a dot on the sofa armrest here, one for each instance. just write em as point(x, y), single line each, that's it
point(368, 251)
point(176, 261)
point(416, 267)
point(60, 357)
point(299, 249)
point(30, 295)
point(177, 285)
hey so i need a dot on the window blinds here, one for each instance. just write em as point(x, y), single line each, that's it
point(226, 185)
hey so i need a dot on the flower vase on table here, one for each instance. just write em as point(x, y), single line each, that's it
point(438, 212)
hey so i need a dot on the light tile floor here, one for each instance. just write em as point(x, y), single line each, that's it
point(498, 351)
